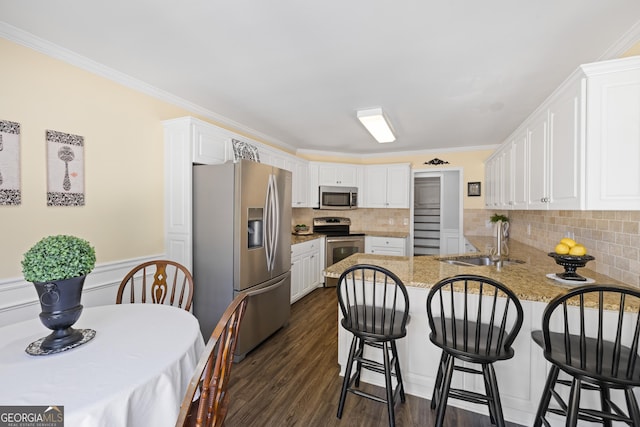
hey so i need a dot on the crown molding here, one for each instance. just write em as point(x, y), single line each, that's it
point(398, 153)
point(38, 44)
point(624, 43)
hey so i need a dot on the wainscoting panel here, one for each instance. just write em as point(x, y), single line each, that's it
point(19, 301)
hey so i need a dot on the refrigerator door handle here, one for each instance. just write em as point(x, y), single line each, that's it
point(271, 220)
point(267, 224)
point(276, 221)
point(266, 289)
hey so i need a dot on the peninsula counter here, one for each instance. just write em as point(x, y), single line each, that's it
point(521, 379)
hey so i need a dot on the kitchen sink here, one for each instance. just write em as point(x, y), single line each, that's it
point(473, 260)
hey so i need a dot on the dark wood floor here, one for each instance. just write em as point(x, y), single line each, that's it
point(292, 380)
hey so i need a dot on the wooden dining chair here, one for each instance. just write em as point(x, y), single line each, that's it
point(170, 279)
point(206, 400)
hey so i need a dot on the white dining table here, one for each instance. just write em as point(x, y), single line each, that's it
point(134, 372)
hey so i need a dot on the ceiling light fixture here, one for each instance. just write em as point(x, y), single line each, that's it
point(377, 124)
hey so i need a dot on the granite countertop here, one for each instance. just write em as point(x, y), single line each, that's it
point(528, 280)
point(301, 238)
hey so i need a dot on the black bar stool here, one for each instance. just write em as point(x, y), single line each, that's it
point(472, 319)
point(375, 309)
point(600, 358)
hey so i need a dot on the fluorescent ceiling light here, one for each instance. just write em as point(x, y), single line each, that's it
point(377, 125)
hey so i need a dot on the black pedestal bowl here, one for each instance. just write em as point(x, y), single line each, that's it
point(570, 264)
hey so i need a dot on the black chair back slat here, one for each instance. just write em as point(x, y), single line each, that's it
point(617, 346)
point(567, 342)
point(634, 348)
point(583, 337)
point(479, 324)
point(454, 334)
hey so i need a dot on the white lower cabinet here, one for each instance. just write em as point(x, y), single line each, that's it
point(306, 267)
point(385, 245)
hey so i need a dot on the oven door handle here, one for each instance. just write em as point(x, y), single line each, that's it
point(344, 240)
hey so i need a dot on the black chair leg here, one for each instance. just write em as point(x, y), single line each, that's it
point(632, 406)
point(489, 393)
point(394, 350)
point(361, 344)
point(438, 385)
point(388, 383)
point(574, 403)
point(493, 383)
point(546, 395)
point(605, 396)
point(347, 376)
point(444, 393)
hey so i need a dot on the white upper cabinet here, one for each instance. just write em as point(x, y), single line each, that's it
point(537, 133)
point(519, 171)
point(555, 149)
point(340, 174)
point(386, 186)
point(300, 182)
point(579, 150)
point(613, 134)
point(566, 136)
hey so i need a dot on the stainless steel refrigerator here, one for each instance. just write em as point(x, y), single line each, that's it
point(242, 242)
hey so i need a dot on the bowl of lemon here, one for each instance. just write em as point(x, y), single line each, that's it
point(570, 255)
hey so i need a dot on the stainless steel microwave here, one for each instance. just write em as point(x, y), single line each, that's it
point(338, 198)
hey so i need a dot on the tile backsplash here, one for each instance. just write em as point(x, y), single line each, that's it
point(612, 237)
point(361, 219)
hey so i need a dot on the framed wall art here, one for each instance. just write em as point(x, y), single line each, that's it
point(473, 189)
point(10, 193)
point(65, 169)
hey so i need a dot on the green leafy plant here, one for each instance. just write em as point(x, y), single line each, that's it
point(497, 217)
point(58, 258)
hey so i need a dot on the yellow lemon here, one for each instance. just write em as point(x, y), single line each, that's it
point(562, 249)
point(567, 241)
point(578, 250)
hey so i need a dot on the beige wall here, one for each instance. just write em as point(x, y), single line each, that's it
point(123, 215)
point(635, 50)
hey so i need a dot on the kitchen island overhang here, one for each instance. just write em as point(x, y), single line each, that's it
point(521, 379)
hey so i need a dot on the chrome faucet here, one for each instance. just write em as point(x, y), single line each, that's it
point(500, 248)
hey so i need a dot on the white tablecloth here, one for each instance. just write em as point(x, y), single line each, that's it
point(133, 373)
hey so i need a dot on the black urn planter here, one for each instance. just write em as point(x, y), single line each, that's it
point(61, 308)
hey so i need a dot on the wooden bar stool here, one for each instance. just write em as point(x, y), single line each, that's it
point(472, 319)
point(599, 357)
point(375, 309)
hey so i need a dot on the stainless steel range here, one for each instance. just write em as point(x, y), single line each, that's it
point(340, 242)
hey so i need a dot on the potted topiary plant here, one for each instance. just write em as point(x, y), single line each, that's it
point(57, 266)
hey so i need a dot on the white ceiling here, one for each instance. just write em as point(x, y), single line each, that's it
point(449, 74)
